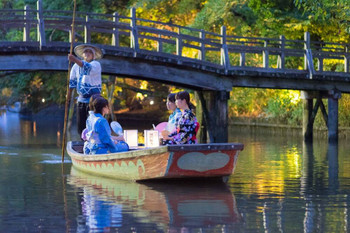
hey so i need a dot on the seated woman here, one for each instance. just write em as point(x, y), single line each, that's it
point(186, 126)
point(174, 116)
point(90, 112)
point(98, 136)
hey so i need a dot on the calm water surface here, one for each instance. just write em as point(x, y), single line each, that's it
point(280, 185)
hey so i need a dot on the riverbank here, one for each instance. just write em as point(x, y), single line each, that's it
point(131, 119)
point(285, 130)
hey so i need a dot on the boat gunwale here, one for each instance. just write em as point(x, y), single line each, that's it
point(152, 151)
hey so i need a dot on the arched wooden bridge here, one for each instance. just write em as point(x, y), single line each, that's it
point(211, 63)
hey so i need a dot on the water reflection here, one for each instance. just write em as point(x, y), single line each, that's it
point(314, 188)
point(18, 131)
point(168, 207)
point(285, 185)
point(315, 167)
point(280, 184)
point(333, 167)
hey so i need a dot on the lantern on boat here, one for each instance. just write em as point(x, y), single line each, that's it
point(131, 137)
point(151, 138)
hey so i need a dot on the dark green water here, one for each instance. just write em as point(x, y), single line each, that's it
point(280, 185)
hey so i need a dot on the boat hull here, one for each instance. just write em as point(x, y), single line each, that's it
point(166, 162)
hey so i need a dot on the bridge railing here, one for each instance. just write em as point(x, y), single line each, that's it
point(219, 50)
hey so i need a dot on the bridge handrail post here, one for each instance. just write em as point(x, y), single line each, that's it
point(201, 53)
point(225, 60)
point(306, 47)
point(26, 28)
point(320, 64)
point(87, 31)
point(242, 57)
point(266, 55)
point(179, 42)
point(346, 60)
point(115, 35)
point(40, 25)
point(134, 41)
point(281, 57)
point(308, 60)
point(160, 44)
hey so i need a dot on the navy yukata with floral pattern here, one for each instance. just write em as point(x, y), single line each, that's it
point(185, 130)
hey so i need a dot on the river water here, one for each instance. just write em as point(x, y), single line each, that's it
point(280, 185)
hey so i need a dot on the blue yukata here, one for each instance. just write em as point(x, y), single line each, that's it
point(86, 79)
point(98, 136)
point(172, 124)
point(173, 120)
point(186, 129)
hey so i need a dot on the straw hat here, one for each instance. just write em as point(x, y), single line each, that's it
point(80, 49)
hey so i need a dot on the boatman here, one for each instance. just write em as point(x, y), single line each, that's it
point(85, 76)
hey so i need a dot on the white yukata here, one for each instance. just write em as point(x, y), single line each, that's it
point(86, 79)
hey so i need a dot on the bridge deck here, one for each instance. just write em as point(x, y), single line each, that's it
point(179, 55)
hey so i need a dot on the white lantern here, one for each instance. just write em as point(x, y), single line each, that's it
point(131, 138)
point(151, 138)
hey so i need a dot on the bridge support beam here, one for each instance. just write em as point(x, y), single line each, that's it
point(333, 103)
point(307, 120)
point(214, 115)
point(310, 112)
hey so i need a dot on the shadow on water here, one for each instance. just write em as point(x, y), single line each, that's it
point(333, 167)
point(168, 207)
point(320, 178)
point(318, 183)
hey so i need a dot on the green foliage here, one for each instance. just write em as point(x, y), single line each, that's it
point(244, 12)
point(211, 16)
point(5, 96)
point(82, 5)
point(32, 88)
point(247, 102)
point(285, 107)
point(326, 20)
point(169, 9)
point(278, 106)
point(344, 106)
point(16, 4)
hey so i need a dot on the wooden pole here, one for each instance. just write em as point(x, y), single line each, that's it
point(68, 92)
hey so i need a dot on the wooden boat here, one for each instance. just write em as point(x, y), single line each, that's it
point(171, 205)
point(216, 160)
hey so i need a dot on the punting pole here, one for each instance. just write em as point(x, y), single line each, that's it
point(68, 92)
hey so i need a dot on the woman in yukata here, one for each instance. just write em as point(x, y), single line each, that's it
point(174, 116)
point(187, 125)
point(98, 136)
